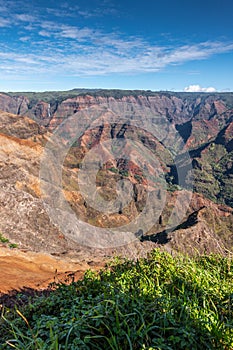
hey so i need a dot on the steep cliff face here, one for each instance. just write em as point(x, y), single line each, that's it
point(177, 107)
point(198, 117)
point(16, 105)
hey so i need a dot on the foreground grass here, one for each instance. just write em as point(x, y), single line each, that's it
point(157, 303)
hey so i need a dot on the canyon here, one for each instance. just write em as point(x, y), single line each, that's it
point(66, 157)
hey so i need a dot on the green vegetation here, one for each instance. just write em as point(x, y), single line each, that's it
point(113, 170)
point(13, 245)
point(3, 239)
point(52, 97)
point(161, 302)
point(49, 96)
point(213, 174)
point(122, 172)
point(6, 241)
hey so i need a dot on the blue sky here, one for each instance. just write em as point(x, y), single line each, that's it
point(157, 45)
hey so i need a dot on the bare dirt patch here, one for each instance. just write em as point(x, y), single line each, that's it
point(24, 269)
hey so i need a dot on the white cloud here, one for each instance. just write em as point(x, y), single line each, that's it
point(25, 17)
point(84, 52)
point(76, 33)
point(198, 88)
point(44, 33)
point(25, 38)
point(4, 22)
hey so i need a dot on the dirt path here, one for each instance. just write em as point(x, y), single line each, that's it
point(20, 269)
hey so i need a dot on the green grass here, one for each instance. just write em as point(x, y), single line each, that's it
point(13, 245)
point(3, 239)
point(161, 302)
point(7, 242)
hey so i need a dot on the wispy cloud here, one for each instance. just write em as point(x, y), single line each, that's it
point(25, 17)
point(47, 46)
point(98, 12)
point(74, 11)
point(85, 51)
point(25, 38)
point(4, 22)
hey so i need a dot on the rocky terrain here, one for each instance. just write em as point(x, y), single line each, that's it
point(189, 134)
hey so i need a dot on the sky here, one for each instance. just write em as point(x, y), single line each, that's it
point(176, 45)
